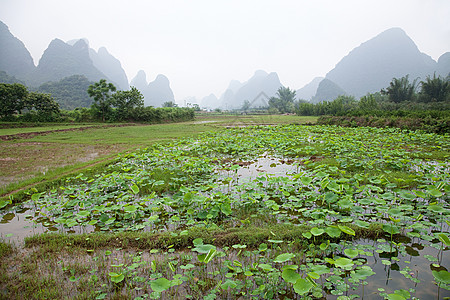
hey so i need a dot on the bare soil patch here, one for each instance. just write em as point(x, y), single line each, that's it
point(29, 135)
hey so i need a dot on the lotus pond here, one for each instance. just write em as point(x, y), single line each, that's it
point(333, 213)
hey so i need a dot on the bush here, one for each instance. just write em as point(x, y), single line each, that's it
point(427, 124)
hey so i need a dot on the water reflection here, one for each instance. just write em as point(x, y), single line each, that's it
point(398, 271)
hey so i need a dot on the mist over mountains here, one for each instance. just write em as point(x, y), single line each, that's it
point(157, 92)
point(366, 69)
point(15, 59)
point(61, 61)
point(371, 66)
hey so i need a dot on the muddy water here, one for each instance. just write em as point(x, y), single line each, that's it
point(390, 278)
point(16, 224)
point(21, 221)
point(262, 166)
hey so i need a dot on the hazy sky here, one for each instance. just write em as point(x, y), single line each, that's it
point(200, 45)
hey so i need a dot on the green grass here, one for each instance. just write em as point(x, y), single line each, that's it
point(250, 235)
point(5, 249)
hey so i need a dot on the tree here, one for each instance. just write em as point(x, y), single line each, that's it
point(42, 103)
point(101, 92)
point(46, 107)
point(245, 105)
point(126, 101)
point(196, 107)
point(435, 89)
point(70, 92)
point(367, 103)
point(400, 89)
point(284, 102)
point(12, 98)
point(169, 104)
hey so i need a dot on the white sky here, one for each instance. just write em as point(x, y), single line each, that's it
point(200, 45)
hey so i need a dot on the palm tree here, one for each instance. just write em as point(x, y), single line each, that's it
point(401, 89)
point(435, 89)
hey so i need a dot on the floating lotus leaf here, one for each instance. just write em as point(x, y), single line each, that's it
point(352, 253)
point(160, 285)
point(284, 257)
point(290, 276)
point(442, 276)
point(302, 286)
point(344, 263)
point(346, 229)
point(317, 231)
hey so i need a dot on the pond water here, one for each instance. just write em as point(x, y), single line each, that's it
point(414, 264)
point(21, 221)
point(264, 165)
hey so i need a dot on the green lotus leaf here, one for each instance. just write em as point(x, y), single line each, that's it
point(317, 231)
point(290, 276)
point(302, 286)
point(284, 257)
point(160, 285)
point(442, 276)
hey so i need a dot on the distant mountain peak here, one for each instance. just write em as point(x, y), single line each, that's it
point(261, 81)
point(309, 90)
point(260, 73)
point(372, 65)
point(81, 45)
point(110, 66)
point(62, 60)
point(58, 43)
point(139, 81)
point(74, 41)
point(327, 91)
point(15, 59)
point(156, 92)
point(162, 78)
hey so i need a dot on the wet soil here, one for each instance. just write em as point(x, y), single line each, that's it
point(29, 135)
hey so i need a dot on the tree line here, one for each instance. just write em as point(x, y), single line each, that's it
point(400, 98)
point(109, 105)
point(15, 99)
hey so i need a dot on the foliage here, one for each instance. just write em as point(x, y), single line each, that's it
point(12, 99)
point(102, 93)
point(5, 78)
point(341, 105)
point(69, 92)
point(169, 104)
point(163, 114)
point(427, 124)
point(125, 102)
point(284, 100)
point(436, 89)
point(400, 89)
point(38, 107)
point(196, 107)
point(129, 106)
point(246, 105)
point(43, 105)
